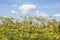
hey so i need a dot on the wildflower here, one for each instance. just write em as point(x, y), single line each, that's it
point(57, 37)
point(4, 39)
point(51, 26)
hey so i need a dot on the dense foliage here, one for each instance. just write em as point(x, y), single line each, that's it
point(29, 28)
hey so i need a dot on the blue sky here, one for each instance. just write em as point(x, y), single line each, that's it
point(17, 8)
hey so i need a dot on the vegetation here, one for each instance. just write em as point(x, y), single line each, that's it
point(29, 28)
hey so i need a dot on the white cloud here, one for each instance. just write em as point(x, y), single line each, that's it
point(14, 5)
point(57, 15)
point(25, 8)
point(4, 16)
point(38, 13)
point(14, 12)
